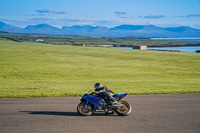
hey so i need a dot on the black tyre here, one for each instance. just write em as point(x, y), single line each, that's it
point(125, 110)
point(84, 110)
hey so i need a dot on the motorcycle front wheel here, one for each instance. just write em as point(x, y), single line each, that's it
point(125, 110)
point(84, 110)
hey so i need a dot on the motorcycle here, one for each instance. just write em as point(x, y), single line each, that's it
point(90, 104)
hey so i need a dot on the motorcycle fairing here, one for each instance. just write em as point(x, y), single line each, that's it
point(92, 99)
point(120, 96)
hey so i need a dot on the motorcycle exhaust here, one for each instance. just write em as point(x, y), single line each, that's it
point(100, 111)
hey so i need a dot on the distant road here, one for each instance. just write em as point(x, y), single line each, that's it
point(176, 113)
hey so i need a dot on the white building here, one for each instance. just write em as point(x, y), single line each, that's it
point(39, 40)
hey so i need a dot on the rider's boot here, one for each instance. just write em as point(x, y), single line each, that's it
point(114, 101)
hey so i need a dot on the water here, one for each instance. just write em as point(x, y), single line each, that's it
point(182, 48)
point(178, 39)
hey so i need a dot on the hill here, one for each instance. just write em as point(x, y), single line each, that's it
point(118, 31)
point(9, 28)
point(42, 29)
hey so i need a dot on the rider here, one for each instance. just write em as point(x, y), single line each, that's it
point(105, 93)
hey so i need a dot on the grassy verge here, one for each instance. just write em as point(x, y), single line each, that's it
point(42, 70)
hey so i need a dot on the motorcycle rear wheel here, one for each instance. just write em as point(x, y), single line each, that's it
point(125, 110)
point(84, 110)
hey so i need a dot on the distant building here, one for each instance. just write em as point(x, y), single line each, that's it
point(144, 47)
point(39, 40)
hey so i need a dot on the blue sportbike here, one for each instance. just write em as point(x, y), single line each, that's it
point(91, 103)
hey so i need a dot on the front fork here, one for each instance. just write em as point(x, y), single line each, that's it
point(85, 105)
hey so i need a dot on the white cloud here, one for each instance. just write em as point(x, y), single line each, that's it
point(47, 11)
point(155, 16)
point(120, 13)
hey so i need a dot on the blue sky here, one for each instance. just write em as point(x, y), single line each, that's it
point(109, 13)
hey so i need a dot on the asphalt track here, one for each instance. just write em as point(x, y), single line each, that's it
point(151, 114)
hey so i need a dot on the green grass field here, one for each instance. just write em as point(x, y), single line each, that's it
point(44, 70)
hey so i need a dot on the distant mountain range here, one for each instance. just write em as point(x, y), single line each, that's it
point(118, 31)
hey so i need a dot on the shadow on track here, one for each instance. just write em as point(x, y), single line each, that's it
point(52, 113)
point(61, 113)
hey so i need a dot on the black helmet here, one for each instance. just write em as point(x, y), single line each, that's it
point(97, 85)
